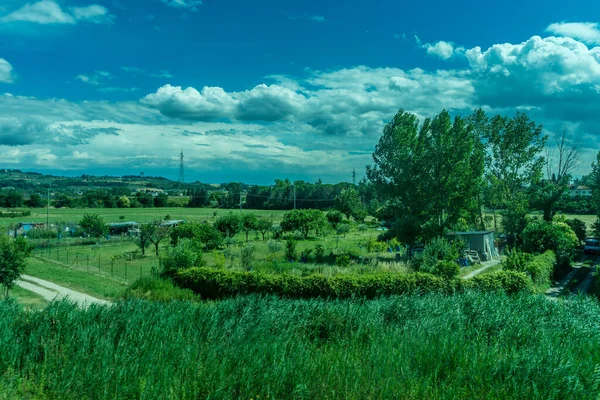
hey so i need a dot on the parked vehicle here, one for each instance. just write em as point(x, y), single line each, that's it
point(592, 246)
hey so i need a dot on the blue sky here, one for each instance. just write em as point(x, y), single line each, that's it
point(260, 90)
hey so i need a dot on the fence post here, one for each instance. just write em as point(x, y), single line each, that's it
point(112, 266)
point(88, 262)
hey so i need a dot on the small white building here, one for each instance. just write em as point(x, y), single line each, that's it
point(583, 191)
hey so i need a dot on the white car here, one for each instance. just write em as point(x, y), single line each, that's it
point(592, 246)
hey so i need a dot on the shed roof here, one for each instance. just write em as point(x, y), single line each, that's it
point(469, 233)
point(122, 224)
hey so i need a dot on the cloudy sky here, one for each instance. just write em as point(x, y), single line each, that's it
point(257, 90)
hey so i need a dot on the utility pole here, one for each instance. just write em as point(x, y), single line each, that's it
point(48, 211)
point(240, 197)
point(354, 176)
point(294, 186)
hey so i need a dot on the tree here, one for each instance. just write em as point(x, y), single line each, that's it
point(93, 225)
point(146, 231)
point(186, 254)
point(305, 221)
point(161, 200)
point(229, 224)
point(13, 255)
point(290, 249)
point(35, 201)
point(430, 174)
point(514, 160)
point(515, 220)
point(123, 202)
point(579, 227)
point(334, 218)
point(343, 229)
point(159, 233)
point(561, 158)
point(349, 203)
point(205, 234)
point(249, 222)
point(264, 226)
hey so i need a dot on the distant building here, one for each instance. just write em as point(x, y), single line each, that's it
point(119, 228)
point(583, 191)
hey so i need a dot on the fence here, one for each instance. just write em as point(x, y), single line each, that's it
point(127, 266)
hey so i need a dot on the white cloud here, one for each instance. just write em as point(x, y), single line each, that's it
point(49, 12)
point(317, 18)
point(587, 32)
point(96, 79)
point(443, 50)
point(94, 13)
point(6, 75)
point(191, 5)
point(152, 74)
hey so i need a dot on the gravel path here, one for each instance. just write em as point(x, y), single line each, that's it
point(486, 265)
point(585, 285)
point(558, 288)
point(51, 291)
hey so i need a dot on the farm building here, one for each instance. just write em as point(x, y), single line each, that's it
point(480, 241)
point(119, 228)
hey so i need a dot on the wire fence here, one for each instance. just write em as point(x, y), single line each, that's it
point(126, 267)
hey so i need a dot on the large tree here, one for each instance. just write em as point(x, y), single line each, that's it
point(430, 173)
point(514, 154)
point(93, 225)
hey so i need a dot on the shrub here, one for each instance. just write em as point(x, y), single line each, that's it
point(343, 229)
point(211, 283)
point(578, 227)
point(319, 253)
point(186, 254)
point(342, 261)
point(334, 218)
point(247, 256)
point(540, 236)
point(539, 268)
point(219, 259)
point(446, 269)
point(376, 246)
point(509, 281)
point(156, 289)
point(438, 249)
point(290, 249)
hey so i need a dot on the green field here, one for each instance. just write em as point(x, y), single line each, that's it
point(473, 345)
point(74, 215)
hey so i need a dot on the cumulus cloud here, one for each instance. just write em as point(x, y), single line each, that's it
point(50, 12)
point(6, 74)
point(587, 32)
point(191, 5)
point(443, 50)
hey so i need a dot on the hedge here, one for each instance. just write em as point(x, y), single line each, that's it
point(212, 283)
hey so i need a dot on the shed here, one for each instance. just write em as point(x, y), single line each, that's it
point(121, 227)
point(480, 241)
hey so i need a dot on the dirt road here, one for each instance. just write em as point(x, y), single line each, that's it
point(51, 291)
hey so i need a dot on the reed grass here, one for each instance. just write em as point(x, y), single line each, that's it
point(471, 345)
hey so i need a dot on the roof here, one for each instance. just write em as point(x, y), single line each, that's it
point(469, 233)
point(122, 224)
point(580, 188)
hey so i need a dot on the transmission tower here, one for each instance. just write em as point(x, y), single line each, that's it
point(181, 174)
point(354, 176)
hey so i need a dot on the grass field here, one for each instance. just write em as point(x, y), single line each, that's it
point(473, 345)
point(27, 299)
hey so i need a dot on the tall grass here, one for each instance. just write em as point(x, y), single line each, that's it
point(472, 345)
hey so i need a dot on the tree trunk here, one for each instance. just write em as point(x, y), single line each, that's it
point(247, 236)
point(6, 292)
point(143, 249)
point(156, 246)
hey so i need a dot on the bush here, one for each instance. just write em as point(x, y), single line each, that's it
point(290, 249)
point(578, 227)
point(539, 268)
point(446, 269)
point(509, 281)
point(540, 236)
point(342, 261)
point(212, 283)
point(186, 254)
point(438, 249)
point(247, 256)
point(156, 289)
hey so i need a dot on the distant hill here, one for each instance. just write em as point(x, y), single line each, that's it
point(34, 181)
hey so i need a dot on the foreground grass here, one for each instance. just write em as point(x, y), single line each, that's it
point(473, 345)
point(99, 286)
point(28, 299)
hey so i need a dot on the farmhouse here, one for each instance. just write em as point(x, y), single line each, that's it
point(584, 191)
point(481, 242)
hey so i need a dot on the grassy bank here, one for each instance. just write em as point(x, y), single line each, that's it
point(472, 345)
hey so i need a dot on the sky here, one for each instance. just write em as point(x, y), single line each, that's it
point(260, 90)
